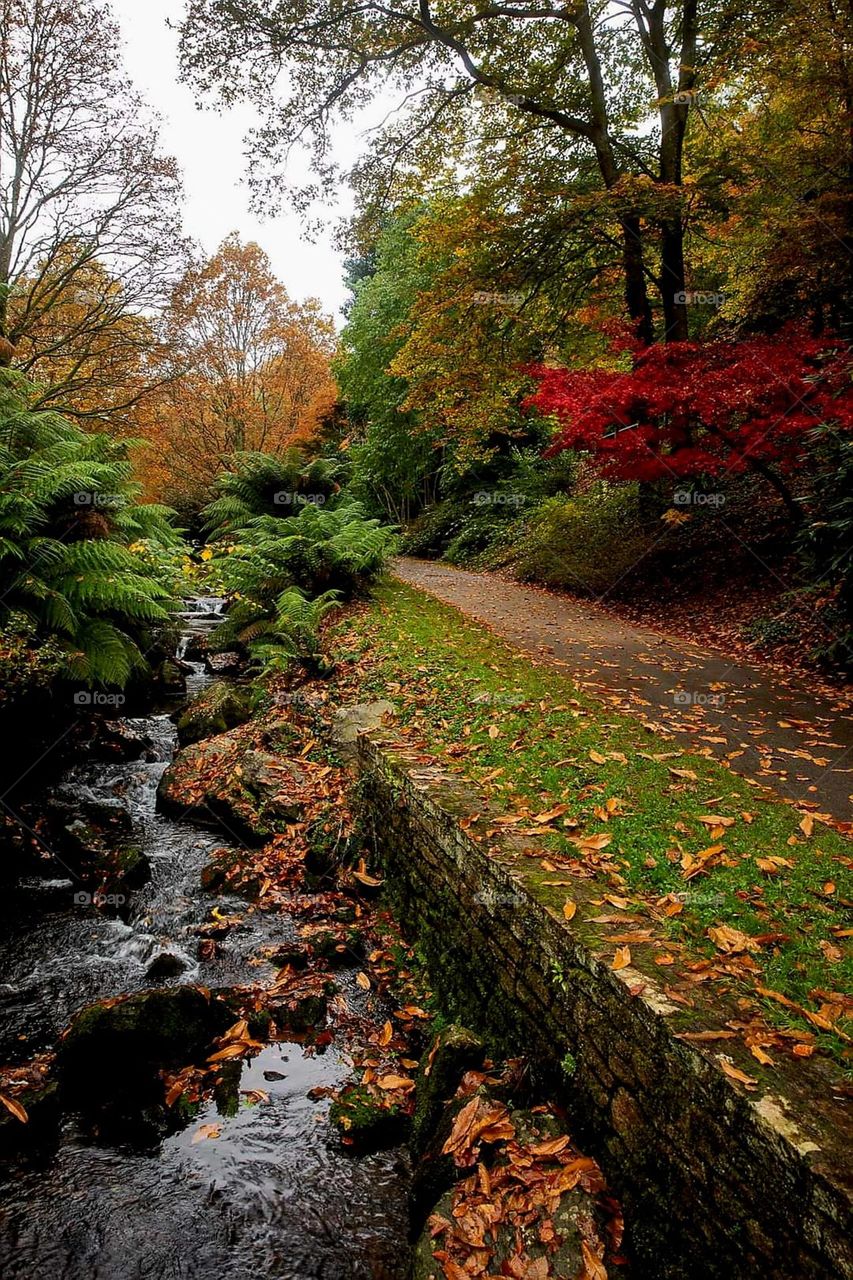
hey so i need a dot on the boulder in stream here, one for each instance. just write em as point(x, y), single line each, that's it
point(221, 782)
point(454, 1051)
point(113, 1052)
point(221, 664)
point(95, 839)
point(216, 709)
point(541, 1214)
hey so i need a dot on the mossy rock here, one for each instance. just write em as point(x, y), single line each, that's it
point(454, 1051)
point(294, 955)
point(340, 948)
point(216, 709)
point(364, 1123)
point(434, 1172)
point(114, 1051)
point(170, 678)
point(302, 1010)
point(95, 838)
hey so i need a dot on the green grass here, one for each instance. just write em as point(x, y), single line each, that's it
point(453, 681)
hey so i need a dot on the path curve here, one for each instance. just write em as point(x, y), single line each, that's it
point(788, 738)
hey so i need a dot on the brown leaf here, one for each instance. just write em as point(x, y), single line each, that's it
point(734, 1074)
point(593, 1267)
point(622, 958)
point(206, 1131)
point(395, 1082)
point(17, 1110)
point(731, 941)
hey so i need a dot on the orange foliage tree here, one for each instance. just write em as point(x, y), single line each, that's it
point(244, 368)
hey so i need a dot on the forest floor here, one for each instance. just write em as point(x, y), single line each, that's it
point(775, 729)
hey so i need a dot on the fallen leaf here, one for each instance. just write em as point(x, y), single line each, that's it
point(734, 1074)
point(622, 958)
point(206, 1131)
point(569, 909)
point(17, 1110)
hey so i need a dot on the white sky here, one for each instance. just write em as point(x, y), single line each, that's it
point(209, 146)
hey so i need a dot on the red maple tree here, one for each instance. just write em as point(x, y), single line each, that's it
point(702, 409)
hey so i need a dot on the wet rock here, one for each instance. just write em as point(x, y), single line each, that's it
point(216, 709)
point(170, 678)
point(165, 965)
point(220, 664)
point(291, 955)
point(434, 1172)
point(247, 793)
point(365, 1123)
point(454, 1051)
point(300, 1009)
point(340, 947)
point(194, 647)
point(113, 1051)
point(118, 740)
point(41, 1104)
point(227, 872)
point(94, 838)
point(348, 722)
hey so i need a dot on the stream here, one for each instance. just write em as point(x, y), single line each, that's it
point(274, 1195)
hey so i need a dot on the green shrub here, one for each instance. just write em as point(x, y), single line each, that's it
point(282, 575)
point(587, 544)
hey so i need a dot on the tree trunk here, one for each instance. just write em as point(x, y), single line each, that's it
point(672, 281)
point(636, 294)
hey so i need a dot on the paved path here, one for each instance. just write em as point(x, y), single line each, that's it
point(797, 742)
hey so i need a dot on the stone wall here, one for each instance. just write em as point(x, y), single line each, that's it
point(715, 1181)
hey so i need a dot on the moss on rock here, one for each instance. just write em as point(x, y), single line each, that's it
point(218, 708)
point(454, 1051)
point(364, 1123)
point(114, 1051)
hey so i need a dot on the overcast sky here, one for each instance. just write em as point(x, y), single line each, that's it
point(209, 147)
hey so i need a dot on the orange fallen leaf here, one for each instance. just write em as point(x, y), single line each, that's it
point(734, 1074)
point(206, 1131)
point(593, 1267)
point(622, 958)
point(17, 1110)
point(395, 1082)
point(569, 909)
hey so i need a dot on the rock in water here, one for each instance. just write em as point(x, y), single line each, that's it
point(216, 709)
point(221, 782)
point(113, 1051)
point(165, 965)
point(454, 1051)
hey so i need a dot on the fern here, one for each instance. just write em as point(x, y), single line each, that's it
point(69, 517)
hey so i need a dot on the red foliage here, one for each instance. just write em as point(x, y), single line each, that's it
point(690, 409)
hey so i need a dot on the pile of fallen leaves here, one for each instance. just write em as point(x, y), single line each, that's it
point(514, 1198)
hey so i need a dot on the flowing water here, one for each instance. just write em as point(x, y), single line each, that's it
point(274, 1195)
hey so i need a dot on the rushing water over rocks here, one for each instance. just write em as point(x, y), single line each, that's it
point(272, 1194)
